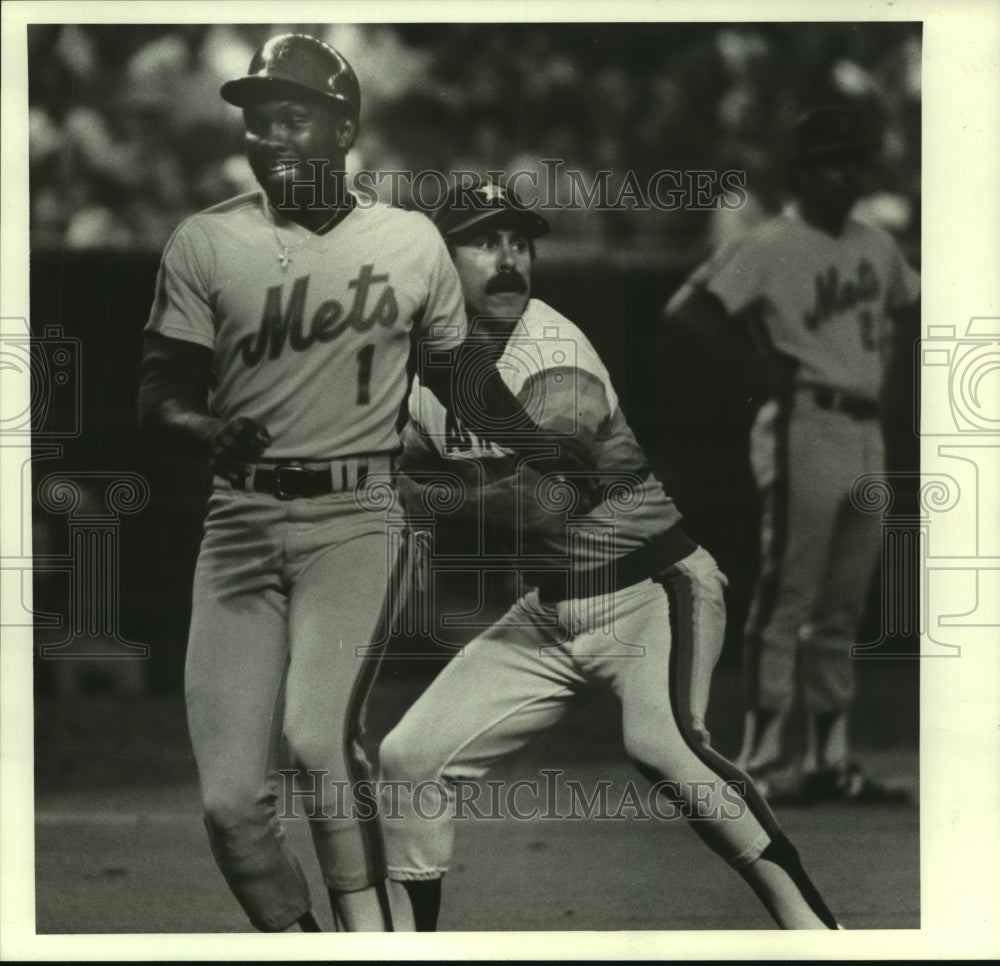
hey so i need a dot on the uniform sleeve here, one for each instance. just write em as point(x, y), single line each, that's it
point(567, 401)
point(182, 305)
point(443, 322)
point(424, 412)
point(736, 275)
point(413, 408)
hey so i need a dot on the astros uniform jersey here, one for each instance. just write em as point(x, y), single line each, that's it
point(552, 368)
point(838, 327)
point(652, 640)
point(316, 351)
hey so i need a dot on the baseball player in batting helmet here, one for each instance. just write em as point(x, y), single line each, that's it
point(279, 345)
point(818, 303)
point(617, 596)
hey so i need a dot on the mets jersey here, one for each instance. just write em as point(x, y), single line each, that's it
point(314, 346)
point(837, 324)
point(556, 374)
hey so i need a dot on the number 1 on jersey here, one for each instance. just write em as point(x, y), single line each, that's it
point(365, 356)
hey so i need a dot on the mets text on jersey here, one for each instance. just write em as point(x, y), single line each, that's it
point(279, 325)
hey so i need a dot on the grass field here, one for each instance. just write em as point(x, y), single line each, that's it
point(120, 847)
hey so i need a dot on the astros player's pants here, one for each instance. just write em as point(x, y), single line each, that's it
point(653, 644)
point(284, 594)
point(819, 552)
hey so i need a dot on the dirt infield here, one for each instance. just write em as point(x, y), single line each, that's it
point(120, 847)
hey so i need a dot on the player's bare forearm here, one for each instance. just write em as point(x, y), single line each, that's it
point(701, 315)
point(173, 401)
point(230, 445)
point(457, 497)
point(512, 501)
point(175, 417)
point(428, 490)
point(739, 343)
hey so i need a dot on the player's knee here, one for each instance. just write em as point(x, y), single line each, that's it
point(316, 755)
point(228, 812)
point(403, 757)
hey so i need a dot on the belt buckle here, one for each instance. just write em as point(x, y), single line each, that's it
point(278, 489)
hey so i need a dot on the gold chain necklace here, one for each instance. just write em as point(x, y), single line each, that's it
point(283, 255)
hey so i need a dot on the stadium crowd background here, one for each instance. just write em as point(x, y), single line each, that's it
point(128, 133)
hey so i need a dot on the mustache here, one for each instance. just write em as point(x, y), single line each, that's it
point(511, 281)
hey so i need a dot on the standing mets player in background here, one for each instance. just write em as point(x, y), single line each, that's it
point(280, 344)
point(620, 598)
point(819, 303)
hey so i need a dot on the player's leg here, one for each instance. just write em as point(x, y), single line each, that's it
point(777, 874)
point(804, 522)
point(336, 606)
point(827, 666)
point(662, 697)
point(234, 677)
point(507, 685)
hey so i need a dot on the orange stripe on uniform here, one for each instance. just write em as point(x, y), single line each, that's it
point(684, 634)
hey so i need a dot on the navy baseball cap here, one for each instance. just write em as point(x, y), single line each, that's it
point(832, 130)
point(473, 207)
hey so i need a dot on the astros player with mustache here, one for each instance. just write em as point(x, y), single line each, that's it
point(617, 596)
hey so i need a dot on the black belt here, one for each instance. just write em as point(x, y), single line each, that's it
point(293, 480)
point(857, 407)
point(646, 561)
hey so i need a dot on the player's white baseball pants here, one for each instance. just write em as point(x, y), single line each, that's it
point(521, 676)
point(284, 593)
point(818, 555)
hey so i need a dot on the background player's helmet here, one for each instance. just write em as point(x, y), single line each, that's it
point(291, 64)
point(472, 206)
point(834, 129)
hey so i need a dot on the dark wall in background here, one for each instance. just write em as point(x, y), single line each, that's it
point(691, 416)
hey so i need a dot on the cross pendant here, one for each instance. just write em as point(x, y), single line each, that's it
point(284, 259)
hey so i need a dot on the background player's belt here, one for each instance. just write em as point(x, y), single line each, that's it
point(293, 479)
point(856, 407)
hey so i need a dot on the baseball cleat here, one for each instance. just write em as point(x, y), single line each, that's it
point(771, 778)
point(849, 784)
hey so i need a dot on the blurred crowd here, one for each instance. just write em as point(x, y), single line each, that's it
point(128, 133)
